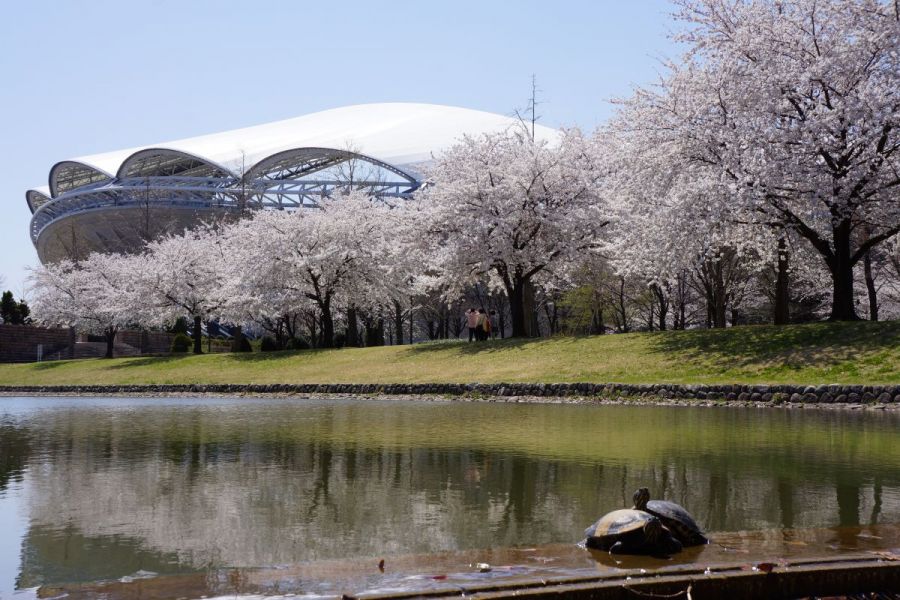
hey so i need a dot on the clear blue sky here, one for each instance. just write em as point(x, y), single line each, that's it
point(81, 77)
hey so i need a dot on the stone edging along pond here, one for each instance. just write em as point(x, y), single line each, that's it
point(771, 394)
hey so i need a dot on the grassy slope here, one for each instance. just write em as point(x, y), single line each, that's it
point(818, 353)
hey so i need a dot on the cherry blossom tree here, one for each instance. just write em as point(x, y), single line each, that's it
point(509, 209)
point(793, 106)
point(335, 254)
point(96, 295)
point(181, 275)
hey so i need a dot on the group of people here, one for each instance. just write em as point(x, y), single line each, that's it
point(480, 324)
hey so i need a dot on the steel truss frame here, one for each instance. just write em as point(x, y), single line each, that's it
point(160, 178)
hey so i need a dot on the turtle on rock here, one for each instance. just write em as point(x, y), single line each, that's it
point(628, 531)
point(673, 516)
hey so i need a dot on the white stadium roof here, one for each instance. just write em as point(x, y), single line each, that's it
point(396, 133)
point(99, 202)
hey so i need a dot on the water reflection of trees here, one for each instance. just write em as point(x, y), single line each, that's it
point(15, 448)
point(252, 486)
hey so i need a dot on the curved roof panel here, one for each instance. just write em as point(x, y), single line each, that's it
point(163, 162)
point(398, 133)
point(37, 198)
point(70, 174)
point(298, 162)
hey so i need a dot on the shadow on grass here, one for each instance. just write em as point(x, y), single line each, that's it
point(458, 346)
point(462, 346)
point(48, 365)
point(148, 361)
point(255, 357)
point(814, 344)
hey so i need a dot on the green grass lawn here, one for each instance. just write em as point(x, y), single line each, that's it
point(817, 353)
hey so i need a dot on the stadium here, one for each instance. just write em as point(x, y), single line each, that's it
point(117, 201)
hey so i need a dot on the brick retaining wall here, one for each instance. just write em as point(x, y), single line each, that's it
point(148, 342)
point(19, 343)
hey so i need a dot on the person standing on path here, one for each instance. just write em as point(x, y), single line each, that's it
point(472, 323)
point(480, 327)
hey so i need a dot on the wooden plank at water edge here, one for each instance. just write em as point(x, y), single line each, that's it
point(788, 580)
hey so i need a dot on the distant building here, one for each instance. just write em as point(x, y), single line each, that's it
point(117, 201)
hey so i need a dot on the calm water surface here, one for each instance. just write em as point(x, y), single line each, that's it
point(97, 489)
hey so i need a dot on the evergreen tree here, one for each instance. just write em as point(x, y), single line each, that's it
point(12, 312)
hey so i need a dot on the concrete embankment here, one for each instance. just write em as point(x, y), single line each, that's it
point(740, 393)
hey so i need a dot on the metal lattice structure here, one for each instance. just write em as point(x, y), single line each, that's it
point(118, 201)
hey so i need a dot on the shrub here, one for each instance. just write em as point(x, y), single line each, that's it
point(297, 344)
point(242, 345)
point(181, 343)
point(268, 344)
point(179, 326)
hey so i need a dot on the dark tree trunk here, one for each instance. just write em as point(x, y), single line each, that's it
point(198, 335)
point(842, 302)
point(282, 331)
point(279, 332)
point(445, 323)
point(313, 327)
point(713, 281)
point(411, 321)
point(398, 322)
point(327, 323)
point(532, 325)
point(721, 306)
point(552, 317)
point(681, 289)
point(782, 314)
point(237, 339)
point(520, 293)
point(623, 314)
point(870, 287)
point(597, 324)
point(110, 335)
point(597, 321)
point(290, 325)
point(375, 333)
point(662, 303)
point(520, 320)
point(352, 328)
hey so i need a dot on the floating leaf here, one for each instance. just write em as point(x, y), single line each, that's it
point(765, 567)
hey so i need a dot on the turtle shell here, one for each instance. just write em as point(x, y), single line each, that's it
point(617, 525)
point(678, 521)
point(630, 531)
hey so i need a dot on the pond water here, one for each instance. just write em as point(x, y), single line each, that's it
point(94, 490)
